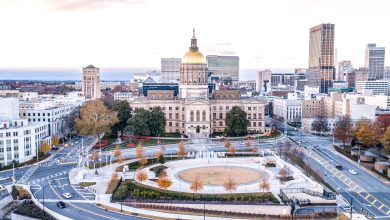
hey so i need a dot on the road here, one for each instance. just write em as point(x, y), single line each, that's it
point(369, 194)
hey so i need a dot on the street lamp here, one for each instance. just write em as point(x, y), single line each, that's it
point(43, 199)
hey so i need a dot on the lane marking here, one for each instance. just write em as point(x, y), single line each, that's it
point(93, 213)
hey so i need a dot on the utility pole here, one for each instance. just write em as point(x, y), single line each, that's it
point(351, 206)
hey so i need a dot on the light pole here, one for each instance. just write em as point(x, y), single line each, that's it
point(43, 199)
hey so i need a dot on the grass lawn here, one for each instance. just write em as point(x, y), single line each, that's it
point(86, 184)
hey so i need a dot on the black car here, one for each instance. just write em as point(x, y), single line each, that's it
point(61, 204)
point(339, 167)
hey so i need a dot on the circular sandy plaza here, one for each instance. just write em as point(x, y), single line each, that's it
point(218, 175)
point(246, 172)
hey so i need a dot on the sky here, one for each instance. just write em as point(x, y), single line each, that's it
point(71, 34)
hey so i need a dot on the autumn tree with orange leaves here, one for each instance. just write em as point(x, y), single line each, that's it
point(164, 183)
point(141, 176)
point(230, 185)
point(264, 185)
point(196, 185)
point(181, 150)
point(227, 143)
point(232, 149)
point(118, 154)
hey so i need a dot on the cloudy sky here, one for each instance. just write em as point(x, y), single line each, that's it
point(49, 34)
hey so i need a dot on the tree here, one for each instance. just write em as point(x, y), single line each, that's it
point(45, 147)
point(157, 121)
point(139, 152)
point(236, 122)
point(141, 176)
point(181, 150)
point(320, 125)
point(158, 154)
point(196, 184)
point(145, 123)
point(227, 143)
point(164, 183)
point(123, 110)
point(118, 154)
point(232, 149)
point(264, 185)
point(230, 185)
point(55, 140)
point(284, 173)
point(343, 129)
point(95, 118)
point(383, 121)
point(386, 139)
point(108, 100)
point(138, 123)
point(367, 133)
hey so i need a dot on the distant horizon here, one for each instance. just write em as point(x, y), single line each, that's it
point(107, 74)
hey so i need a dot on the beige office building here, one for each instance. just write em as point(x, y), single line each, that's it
point(196, 111)
point(321, 57)
point(91, 82)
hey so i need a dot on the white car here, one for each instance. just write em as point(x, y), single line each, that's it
point(67, 195)
point(353, 172)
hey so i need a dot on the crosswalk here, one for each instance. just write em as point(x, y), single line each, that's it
point(27, 174)
point(84, 192)
point(351, 185)
point(46, 178)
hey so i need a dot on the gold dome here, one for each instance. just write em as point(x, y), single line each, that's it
point(193, 57)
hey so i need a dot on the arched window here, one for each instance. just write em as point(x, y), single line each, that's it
point(203, 115)
point(197, 115)
point(192, 115)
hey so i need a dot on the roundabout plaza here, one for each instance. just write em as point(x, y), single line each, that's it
point(246, 173)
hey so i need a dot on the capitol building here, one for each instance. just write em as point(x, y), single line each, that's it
point(196, 110)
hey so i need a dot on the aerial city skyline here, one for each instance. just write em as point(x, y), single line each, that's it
point(194, 109)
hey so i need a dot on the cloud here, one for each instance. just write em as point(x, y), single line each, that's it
point(258, 57)
point(222, 49)
point(289, 57)
point(71, 5)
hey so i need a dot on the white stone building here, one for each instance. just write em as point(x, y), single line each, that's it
point(289, 109)
point(375, 87)
point(47, 111)
point(19, 139)
point(123, 96)
point(195, 110)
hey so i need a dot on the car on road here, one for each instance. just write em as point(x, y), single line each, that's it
point(353, 172)
point(67, 195)
point(339, 167)
point(303, 141)
point(61, 204)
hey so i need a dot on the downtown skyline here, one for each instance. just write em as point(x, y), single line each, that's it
point(67, 34)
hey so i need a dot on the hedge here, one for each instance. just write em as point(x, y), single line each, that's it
point(139, 191)
point(29, 209)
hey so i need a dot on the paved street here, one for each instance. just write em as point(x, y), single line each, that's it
point(369, 194)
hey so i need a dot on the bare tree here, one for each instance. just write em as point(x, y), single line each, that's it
point(343, 129)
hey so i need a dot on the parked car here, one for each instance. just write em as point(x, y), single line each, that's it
point(353, 172)
point(339, 167)
point(67, 195)
point(61, 204)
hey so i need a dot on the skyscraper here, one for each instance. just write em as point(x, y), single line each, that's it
point(170, 69)
point(344, 67)
point(374, 61)
point(321, 71)
point(227, 67)
point(91, 82)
